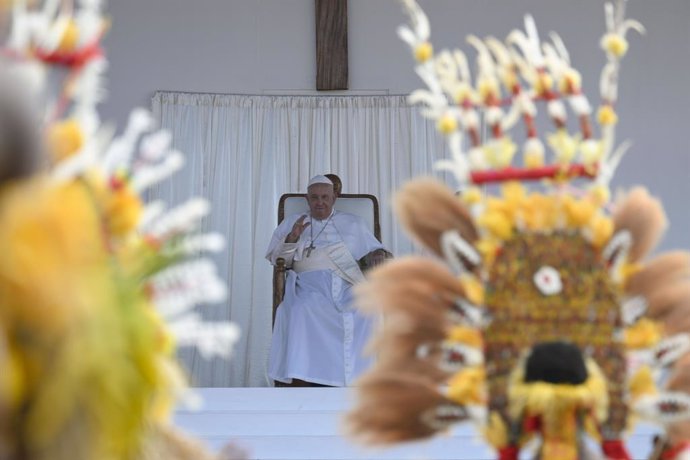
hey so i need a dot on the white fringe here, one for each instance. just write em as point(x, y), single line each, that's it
point(210, 338)
point(183, 218)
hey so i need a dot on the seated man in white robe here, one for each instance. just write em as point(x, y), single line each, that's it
point(318, 336)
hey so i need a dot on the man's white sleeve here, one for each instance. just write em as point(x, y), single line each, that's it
point(278, 248)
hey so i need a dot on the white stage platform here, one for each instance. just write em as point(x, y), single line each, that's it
point(305, 424)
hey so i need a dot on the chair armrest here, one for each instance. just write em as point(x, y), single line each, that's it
point(365, 262)
point(278, 285)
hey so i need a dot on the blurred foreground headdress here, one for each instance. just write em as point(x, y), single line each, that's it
point(546, 319)
point(97, 287)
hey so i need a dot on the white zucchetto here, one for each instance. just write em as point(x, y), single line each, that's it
point(320, 179)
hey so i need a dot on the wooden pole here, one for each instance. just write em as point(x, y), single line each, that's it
point(331, 45)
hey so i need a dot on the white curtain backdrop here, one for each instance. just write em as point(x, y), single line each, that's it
point(244, 152)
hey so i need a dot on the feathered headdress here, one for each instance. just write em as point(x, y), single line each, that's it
point(97, 287)
point(546, 319)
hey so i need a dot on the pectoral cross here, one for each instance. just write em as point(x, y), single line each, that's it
point(310, 248)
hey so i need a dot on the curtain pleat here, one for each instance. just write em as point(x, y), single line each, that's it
point(244, 152)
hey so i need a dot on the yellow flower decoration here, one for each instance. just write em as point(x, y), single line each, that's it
point(474, 289)
point(543, 83)
point(494, 204)
point(615, 44)
point(643, 334)
point(488, 248)
point(629, 269)
point(496, 432)
point(540, 213)
point(592, 151)
point(44, 230)
point(488, 88)
point(472, 195)
point(423, 52)
point(558, 403)
point(570, 82)
point(70, 39)
point(466, 335)
point(600, 194)
point(65, 138)
point(514, 194)
point(642, 383)
point(467, 386)
point(497, 223)
point(447, 124)
point(123, 210)
point(13, 382)
point(579, 212)
point(564, 145)
point(534, 160)
point(510, 79)
point(61, 292)
point(136, 254)
point(499, 152)
point(607, 116)
point(600, 230)
point(462, 93)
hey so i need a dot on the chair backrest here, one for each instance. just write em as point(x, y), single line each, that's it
point(363, 205)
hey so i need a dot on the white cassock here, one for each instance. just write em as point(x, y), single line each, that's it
point(318, 336)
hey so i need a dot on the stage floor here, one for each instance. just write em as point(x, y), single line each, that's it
point(305, 424)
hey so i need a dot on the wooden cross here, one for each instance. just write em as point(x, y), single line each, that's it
point(331, 45)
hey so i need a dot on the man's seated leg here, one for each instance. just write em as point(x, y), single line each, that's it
point(307, 338)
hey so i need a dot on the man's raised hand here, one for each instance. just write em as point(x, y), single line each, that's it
point(297, 230)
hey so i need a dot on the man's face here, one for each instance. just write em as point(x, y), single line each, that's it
point(321, 200)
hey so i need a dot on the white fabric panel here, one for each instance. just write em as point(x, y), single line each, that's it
point(244, 152)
